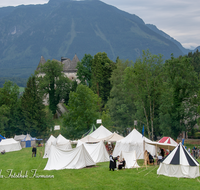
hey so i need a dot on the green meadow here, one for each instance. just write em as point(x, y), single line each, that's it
point(98, 177)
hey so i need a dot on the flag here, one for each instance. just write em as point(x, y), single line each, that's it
point(143, 131)
point(183, 141)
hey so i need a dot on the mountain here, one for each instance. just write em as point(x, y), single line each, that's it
point(62, 28)
point(160, 32)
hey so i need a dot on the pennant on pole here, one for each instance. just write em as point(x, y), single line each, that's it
point(143, 131)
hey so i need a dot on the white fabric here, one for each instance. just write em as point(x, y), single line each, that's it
point(130, 158)
point(101, 133)
point(134, 141)
point(9, 145)
point(19, 137)
point(97, 151)
point(88, 138)
point(178, 170)
point(183, 169)
point(48, 145)
point(113, 137)
point(62, 143)
point(163, 145)
point(70, 159)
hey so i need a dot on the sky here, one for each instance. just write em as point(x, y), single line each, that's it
point(178, 18)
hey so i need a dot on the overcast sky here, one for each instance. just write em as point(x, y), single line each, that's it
point(178, 18)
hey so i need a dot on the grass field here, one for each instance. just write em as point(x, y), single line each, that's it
point(98, 177)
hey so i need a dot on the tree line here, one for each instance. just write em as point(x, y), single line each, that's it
point(163, 96)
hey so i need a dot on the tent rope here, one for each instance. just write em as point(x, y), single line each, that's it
point(150, 171)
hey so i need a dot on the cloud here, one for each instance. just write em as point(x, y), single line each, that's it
point(21, 2)
point(180, 19)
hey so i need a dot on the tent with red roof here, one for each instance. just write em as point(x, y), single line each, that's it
point(168, 140)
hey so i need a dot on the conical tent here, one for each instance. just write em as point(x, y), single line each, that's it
point(134, 141)
point(76, 158)
point(97, 151)
point(62, 143)
point(88, 139)
point(168, 140)
point(28, 141)
point(179, 163)
point(48, 145)
point(101, 133)
point(113, 138)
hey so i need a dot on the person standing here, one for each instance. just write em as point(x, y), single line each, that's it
point(34, 151)
point(112, 163)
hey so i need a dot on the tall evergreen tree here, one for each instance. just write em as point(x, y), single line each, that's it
point(33, 109)
point(9, 99)
point(84, 72)
point(102, 68)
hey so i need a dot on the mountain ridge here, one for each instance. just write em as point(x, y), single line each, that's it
point(63, 28)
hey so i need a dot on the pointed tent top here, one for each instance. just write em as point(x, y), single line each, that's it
point(180, 156)
point(167, 140)
point(101, 133)
point(134, 136)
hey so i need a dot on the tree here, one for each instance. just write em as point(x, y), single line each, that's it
point(84, 72)
point(10, 107)
point(33, 109)
point(143, 82)
point(83, 111)
point(120, 103)
point(4, 118)
point(102, 68)
point(180, 87)
point(51, 81)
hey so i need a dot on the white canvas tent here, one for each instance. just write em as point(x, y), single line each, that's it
point(179, 163)
point(88, 139)
point(134, 141)
point(163, 145)
point(76, 158)
point(113, 137)
point(97, 151)
point(62, 143)
point(101, 133)
point(48, 145)
point(130, 158)
point(19, 137)
point(10, 145)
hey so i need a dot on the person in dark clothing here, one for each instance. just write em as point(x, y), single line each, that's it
point(162, 153)
point(34, 151)
point(121, 164)
point(112, 164)
point(151, 160)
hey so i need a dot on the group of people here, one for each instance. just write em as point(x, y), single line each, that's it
point(109, 146)
point(116, 163)
point(195, 152)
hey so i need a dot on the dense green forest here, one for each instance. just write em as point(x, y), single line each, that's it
point(19, 81)
point(163, 96)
